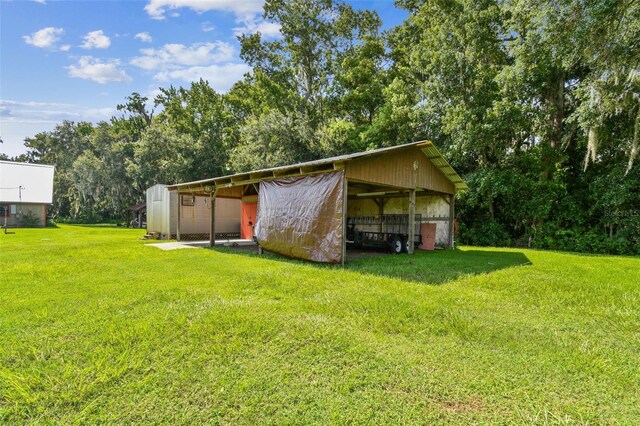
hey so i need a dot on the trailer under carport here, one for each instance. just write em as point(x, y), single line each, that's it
point(392, 178)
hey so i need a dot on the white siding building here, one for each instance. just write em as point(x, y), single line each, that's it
point(26, 190)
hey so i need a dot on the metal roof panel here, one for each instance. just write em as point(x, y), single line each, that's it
point(427, 148)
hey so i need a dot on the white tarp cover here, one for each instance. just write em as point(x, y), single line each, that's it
point(302, 216)
point(26, 183)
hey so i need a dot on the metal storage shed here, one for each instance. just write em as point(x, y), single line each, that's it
point(194, 210)
point(303, 208)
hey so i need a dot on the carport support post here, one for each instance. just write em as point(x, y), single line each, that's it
point(452, 210)
point(212, 226)
point(178, 219)
point(412, 221)
point(344, 217)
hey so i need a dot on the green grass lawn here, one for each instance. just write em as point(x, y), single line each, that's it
point(95, 327)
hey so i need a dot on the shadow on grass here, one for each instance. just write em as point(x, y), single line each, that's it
point(440, 266)
point(426, 267)
point(12, 229)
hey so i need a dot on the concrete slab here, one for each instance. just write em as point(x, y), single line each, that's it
point(176, 245)
point(171, 246)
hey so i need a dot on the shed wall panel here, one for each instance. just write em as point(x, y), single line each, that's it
point(196, 219)
point(162, 217)
point(408, 168)
point(433, 208)
point(157, 208)
point(233, 192)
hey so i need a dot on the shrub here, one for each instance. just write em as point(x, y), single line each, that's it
point(488, 233)
point(554, 237)
point(29, 220)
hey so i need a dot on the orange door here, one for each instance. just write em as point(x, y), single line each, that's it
point(428, 231)
point(248, 212)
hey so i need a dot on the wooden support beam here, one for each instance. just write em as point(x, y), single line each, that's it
point(344, 217)
point(386, 185)
point(178, 218)
point(412, 221)
point(259, 175)
point(289, 172)
point(212, 225)
point(394, 195)
point(452, 212)
point(380, 203)
point(365, 189)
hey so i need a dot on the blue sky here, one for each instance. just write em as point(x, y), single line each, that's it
point(76, 60)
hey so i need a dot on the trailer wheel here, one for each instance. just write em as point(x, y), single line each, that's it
point(395, 245)
point(405, 244)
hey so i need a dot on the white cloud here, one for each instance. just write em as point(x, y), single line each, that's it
point(40, 1)
point(46, 116)
point(172, 56)
point(157, 8)
point(7, 103)
point(220, 77)
point(246, 13)
point(152, 93)
point(45, 38)
point(251, 25)
point(21, 119)
point(90, 68)
point(65, 47)
point(207, 26)
point(96, 40)
point(144, 37)
point(210, 61)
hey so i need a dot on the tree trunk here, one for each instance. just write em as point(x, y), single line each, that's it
point(555, 106)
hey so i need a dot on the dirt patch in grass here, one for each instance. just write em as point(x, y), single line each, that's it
point(469, 405)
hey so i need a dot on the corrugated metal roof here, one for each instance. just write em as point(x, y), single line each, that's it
point(26, 182)
point(439, 161)
point(427, 148)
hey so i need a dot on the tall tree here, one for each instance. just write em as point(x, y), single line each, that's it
point(163, 155)
point(202, 114)
point(316, 36)
point(61, 147)
point(135, 118)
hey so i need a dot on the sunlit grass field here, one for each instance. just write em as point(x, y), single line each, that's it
point(96, 327)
